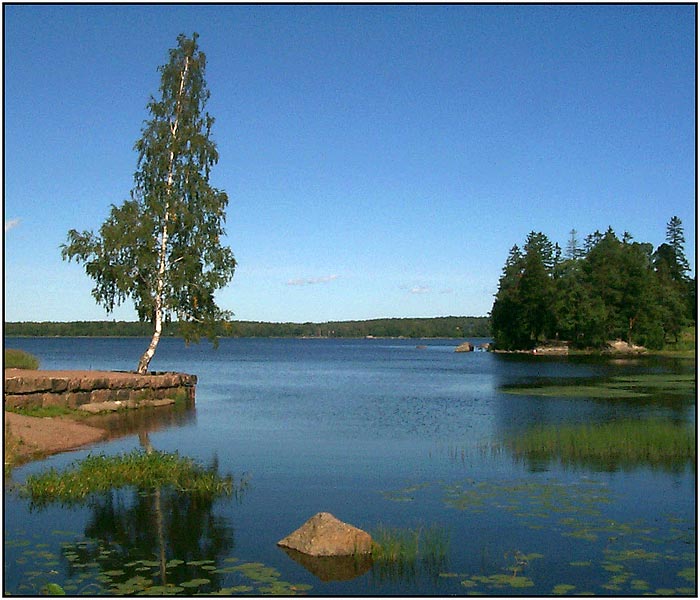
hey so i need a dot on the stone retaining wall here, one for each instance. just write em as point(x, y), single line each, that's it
point(95, 390)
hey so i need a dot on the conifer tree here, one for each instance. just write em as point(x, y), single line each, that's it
point(162, 247)
point(676, 240)
point(675, 289)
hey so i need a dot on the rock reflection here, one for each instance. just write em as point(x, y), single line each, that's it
point(143, 420)
point(332, 568)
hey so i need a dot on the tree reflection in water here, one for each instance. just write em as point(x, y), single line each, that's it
point(162, 535)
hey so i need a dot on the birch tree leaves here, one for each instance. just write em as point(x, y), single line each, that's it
point(162, 247)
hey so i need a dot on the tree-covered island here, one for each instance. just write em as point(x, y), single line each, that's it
point(603, 289)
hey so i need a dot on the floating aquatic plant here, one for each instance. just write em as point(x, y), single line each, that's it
point(143, 576)
point(627, 386)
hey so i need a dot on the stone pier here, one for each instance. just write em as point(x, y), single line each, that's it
point(95, 391)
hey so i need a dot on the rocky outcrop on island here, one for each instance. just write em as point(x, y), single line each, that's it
point(622, 347)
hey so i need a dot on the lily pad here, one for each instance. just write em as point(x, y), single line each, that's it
point(164, 590)
point(195, 582)
point(174, 563)
point(53, 589)
point(114, 573)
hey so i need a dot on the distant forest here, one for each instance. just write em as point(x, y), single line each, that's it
point(605, 288)
point(437, 327)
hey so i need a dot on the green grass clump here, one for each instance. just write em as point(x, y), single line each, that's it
point(395, 545)
point(139, 469)
point(19, 359)
point(653, 442)
point(399, 552)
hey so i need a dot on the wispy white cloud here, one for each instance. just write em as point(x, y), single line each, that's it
point(11, 224)
point(313, 280)
point(419, 289)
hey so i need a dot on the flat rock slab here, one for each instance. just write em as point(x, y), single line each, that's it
point(114, 405)
point(324, 535)
point(25, 381)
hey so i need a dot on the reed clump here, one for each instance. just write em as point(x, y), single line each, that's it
point(19, 359)
point(142, 470)
point(653, 442)
point(398, 553)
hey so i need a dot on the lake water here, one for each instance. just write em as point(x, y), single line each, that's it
point(382, 434)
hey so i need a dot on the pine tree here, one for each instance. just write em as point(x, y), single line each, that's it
point(162, 248)
point(523, 310)
point(507, 322)
point(573, 247)
point(675, 289)
point(675, 238)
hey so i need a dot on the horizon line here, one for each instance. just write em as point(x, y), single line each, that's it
point(262, 321)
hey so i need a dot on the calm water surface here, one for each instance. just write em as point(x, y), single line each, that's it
point(381, 434)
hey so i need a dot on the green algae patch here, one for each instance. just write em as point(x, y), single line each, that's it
point(627, 386)
point(600, 391)
point(656, 382)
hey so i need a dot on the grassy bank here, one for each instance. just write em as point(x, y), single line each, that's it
point(19, 359)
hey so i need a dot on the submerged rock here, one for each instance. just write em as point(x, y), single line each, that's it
point(324, 535)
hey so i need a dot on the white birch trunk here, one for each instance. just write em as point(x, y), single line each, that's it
point(162, 253)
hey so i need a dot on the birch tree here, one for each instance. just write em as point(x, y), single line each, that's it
point(162, 247)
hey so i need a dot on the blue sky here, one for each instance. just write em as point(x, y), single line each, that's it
point(380, 161)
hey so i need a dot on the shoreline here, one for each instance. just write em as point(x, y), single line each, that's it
point(30, 438)
point(46, 411)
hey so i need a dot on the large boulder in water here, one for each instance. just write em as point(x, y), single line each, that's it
point(324, 535)
point(465, 347)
